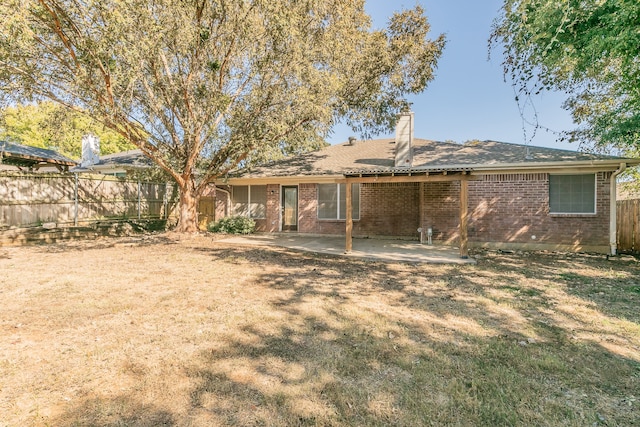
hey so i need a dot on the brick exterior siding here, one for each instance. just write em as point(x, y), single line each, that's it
point(389, 210)
point(385, 210)
point(308, 214)
point(503, 209)
point(514, 208)
point(442, 210)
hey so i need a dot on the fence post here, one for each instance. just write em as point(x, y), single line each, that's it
point(139, 199)
point(75, 201)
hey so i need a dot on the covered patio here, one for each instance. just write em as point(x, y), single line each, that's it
point(413, 175)
point(371, 249)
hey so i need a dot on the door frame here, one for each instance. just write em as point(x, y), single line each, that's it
point(293, 228)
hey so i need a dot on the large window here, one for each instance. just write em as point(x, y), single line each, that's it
point(572, 194)
point(250, 201)
point(332, 201)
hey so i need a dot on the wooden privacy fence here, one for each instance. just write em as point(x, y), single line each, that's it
point(628, 225)
point(28, 199)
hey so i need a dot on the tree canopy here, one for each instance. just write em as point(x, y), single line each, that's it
point(589, 49)
point(201, 86)
point(49, 125)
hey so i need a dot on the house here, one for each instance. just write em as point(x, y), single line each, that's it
point(118, 164)
point(32, 158)
point(478, 194)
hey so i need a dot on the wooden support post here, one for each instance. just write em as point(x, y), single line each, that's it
point(421, 211)
point(349, 219)
point(464, 218)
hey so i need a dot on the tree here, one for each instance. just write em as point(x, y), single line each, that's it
point(586, 48)
point(48, 125)
point(203, 86)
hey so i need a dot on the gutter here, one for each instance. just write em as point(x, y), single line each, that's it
point(613, 209)
point(529, 166)
point(597, 165)
point(227, 203)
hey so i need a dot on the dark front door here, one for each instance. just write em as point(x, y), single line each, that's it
point(289, 208)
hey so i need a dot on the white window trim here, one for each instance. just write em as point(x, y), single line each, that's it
point(595, 196)
point(249, 201)
point(337, 217)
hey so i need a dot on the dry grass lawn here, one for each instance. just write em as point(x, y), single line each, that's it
point(169, 331)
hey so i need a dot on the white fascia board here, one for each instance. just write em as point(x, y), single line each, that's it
point(296, 179)
point(608, 165)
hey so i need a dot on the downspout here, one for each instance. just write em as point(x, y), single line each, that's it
point(613, 212)
point(227, 203)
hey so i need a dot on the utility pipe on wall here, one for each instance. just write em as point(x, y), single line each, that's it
point(227, 203)
point(613, 211)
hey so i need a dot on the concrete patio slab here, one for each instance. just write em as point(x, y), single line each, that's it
point(372, 249)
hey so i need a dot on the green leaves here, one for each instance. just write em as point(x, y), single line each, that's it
point(47, 125)
point(588, 49)
point(202, 87)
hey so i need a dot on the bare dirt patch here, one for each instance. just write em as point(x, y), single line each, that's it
point(188, 331)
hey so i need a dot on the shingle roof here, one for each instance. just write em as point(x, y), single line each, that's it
point(23, 155)
point(373, 156)
point(126, 159)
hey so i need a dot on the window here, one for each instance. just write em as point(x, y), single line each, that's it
point(250, 201)
point(572, 194)
point(240, 200)
point(258, 201)
point(332, 201)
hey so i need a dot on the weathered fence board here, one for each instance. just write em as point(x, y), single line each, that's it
point(28, 199)
point(628, 219)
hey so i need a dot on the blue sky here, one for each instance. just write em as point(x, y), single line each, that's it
point(469, 99)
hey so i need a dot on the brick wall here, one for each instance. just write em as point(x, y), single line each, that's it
point(506, 208)
point(272, 223)
point(514, 208)
point(442, 210)
point(385, 210)
point(390, 209)
point(308, 214)
point(222, 202)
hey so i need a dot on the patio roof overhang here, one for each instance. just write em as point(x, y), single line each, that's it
point(407, 174)
point(419, 175)
point(33, 162)
point(32, 157)
point(417, 171)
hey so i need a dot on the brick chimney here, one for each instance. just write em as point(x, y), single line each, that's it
point(404, 140)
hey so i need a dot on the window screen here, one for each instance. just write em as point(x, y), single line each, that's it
point(241, 200)
point(327, 201)
point(250, 201)
point(572, 193)
point(332, 201)
point(258, 201)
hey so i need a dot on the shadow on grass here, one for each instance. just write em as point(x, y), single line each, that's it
point(320, 375)
point(116, 412)
point(352, 342)
point(368, 343)
point(146, 240)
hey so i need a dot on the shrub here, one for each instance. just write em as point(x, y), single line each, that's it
point(233, 225)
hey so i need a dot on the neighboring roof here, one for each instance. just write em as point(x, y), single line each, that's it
point(25, 156)
point(132, 159)
point(127, 159)
point(378, 156)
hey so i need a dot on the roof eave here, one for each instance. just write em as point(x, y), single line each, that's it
point(37, 159)
point(603, 165)
point(474, 169)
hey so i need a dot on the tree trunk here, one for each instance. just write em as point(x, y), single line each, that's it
point(188, 219)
